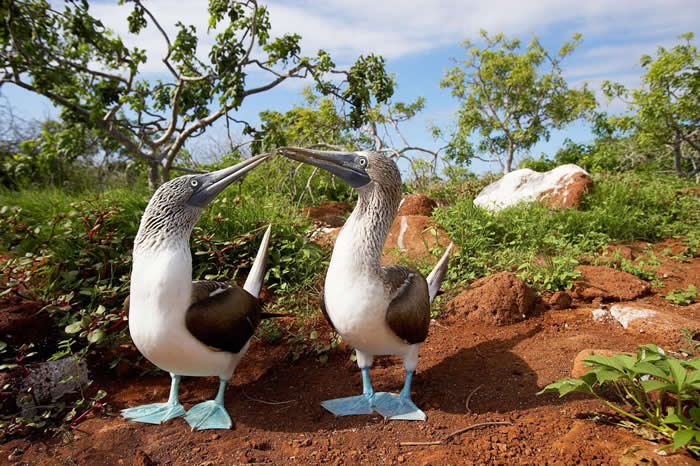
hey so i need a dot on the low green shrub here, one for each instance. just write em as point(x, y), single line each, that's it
point(659, 391)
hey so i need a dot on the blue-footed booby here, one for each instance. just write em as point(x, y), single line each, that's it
point(185, 327)
point(377, 310)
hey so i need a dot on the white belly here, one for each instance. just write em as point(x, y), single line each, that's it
point(357, 303)
point(161, 287)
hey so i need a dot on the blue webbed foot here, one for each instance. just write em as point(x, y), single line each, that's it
point(397, 407)
point(155, 413)
point(360, 404)
point(208, 415)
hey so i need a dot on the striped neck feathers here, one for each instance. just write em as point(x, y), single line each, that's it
point(370, 222)
point(164, 225)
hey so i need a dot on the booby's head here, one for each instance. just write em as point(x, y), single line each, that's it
point(365, 171)
point(177, 205)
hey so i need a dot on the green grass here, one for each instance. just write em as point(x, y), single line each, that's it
point(544, 245)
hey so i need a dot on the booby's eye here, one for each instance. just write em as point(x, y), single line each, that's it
point(194, 183)
point(362, 161)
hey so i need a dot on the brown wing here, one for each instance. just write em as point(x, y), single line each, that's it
point(408, 314)
point(322, 302)
point(221, 315)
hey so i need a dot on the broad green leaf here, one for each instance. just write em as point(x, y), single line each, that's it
point(678, 372)
point(612, 362)
point(682, 437)
point(651, 385)
point(692, 364)
point(564, 386)
point(604, 374)
point(96, 336)
point(643, 367)
point(75, 327)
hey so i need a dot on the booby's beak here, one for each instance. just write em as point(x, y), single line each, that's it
point(348, 166)
point(211, 184)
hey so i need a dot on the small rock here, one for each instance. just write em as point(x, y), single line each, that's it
point(580, 367)
point(142, 459)
point(560, 300)
point(215, 436)
point(260, 445)
point(46, 380)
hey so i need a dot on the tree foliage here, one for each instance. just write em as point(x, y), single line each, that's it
point(664, 113)
point(71, 58)
point(325, 122)
point(510, 99)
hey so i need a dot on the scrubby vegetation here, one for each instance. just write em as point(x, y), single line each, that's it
point(72, 190)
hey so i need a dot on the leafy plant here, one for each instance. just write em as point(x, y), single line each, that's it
point(658, 391)
point(683, 297)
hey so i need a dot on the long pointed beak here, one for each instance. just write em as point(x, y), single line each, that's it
point(215, 182)
point(342, 164)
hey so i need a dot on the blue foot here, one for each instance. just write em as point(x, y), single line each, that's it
point(155, 413)
point(360, 404)
point(397, 407)
point(208, 415)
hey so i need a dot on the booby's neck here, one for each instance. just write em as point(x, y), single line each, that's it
point(362, 239)
point(165, 227)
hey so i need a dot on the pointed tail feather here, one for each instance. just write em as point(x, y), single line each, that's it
point(257, 273)
point(438, 273)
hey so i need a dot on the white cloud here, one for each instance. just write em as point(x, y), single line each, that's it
point(396, 28)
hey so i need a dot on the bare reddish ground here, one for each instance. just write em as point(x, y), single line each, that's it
point(416, 204)
point(469, 373)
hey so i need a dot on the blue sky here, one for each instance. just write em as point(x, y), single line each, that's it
point(418, 40)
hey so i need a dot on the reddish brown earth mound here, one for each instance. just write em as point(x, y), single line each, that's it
point(417, 204)
point(331, 214)
point(414, 236)
point(609, 284)
point(498, 299)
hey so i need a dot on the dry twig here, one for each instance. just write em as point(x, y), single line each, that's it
point(466, 403)
point(457, 432)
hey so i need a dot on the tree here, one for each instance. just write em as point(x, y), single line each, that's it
point(71, 58)
point(510, 100)
point(665, 110)
point(324, 122)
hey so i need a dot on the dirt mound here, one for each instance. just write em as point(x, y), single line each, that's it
point(417, 204)
point(331, 214)
point(498, 299)
point(414, 236)
point(21, 323)
point(608, 284)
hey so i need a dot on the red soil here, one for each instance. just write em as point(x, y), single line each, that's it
point(469, 373)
